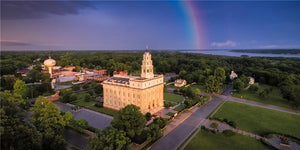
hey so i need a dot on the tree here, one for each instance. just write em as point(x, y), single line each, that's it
point(130, 120)
point(82, 123)
point(220, 75)
point(154, 132)
point(98, 89)
point(211, 84)
point(87, 97)
point(66, 95)
point(75, 87)
point(48, 120)
point(20, 88)
point(254, 87)
point(85, 86)
point(238, 85)
point(161, 122)
point(110, 139)
point(8, 81)
point(68, 118)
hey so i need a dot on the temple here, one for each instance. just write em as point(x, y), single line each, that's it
point(145, 91)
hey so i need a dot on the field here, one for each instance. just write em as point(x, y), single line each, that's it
point(207, 140)
point(260, 120)
point(273, 98)
point(173, 97)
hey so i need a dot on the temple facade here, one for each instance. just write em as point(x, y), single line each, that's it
point(145, 91)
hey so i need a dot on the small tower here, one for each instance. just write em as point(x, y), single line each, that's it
point(147, 67)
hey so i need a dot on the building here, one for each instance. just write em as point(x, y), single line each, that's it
point(120, 72)
point(251, 80)
point(145, 91)
point(233, 75)
point(180, 83)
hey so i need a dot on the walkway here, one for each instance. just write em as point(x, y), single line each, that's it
point(181, 127)
point(95, 119)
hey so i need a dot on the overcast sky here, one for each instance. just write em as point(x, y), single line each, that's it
point(90, 25)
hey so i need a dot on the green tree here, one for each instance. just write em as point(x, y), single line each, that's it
point(154, 132)
point(87, 97)
point(20, 88)
point(130, 120)
point(14, 132)
point(68, 118)
point(48, 120)
point(75, 87)
point(110, 139)
point(161, 122)
point(8, 81)
point(238, 85)
point(85, 86)
point(220, 75)
point(82, 123)
point(211, 84)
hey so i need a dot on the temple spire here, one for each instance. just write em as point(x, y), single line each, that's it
point(147, 48)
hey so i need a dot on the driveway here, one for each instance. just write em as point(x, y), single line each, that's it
point(174, 138)
point(95, 119)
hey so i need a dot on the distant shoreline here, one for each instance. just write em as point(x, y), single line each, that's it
point(270, 51)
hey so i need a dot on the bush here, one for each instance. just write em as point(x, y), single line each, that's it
point(214, 125)
point(168, 104)
point(254, 87)
point(87, 97)
point(228, 133)
point(82, 123)
point(161, 122)
point(148, 116)
point(85, 86)
point(91, 92)
point(232, 123)
point(99, 104)
point(75, 87)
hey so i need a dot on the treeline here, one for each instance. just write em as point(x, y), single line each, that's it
point(191, 67)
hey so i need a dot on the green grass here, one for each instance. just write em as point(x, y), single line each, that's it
point(180, 108)
point(260, 120)
point(90, 105)
point(103, 110)
point(206, 140)
point(66, 83)
point(173, 97)
point(273, 98)
point(83, 103)
point(170, 86)
point(170, 114)
point(197, 86)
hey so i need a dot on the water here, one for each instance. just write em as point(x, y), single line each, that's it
point(238, 54)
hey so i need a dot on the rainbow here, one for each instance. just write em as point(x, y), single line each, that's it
point(195, 22)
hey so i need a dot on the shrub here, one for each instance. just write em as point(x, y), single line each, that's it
point(99, 104)
point(75, 87)
point(214, 125)
point(148, 116)
point(168, 104)
point(85, 86)
point(161, 122)
point(228, 133)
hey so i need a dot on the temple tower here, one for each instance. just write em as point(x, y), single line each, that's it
point(147, 67)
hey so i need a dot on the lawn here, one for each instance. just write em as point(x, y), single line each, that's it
point(260, 120)
point(207, 140)
point(197, 86)
point(180, 108)
point(173, 97)
point(90, 105)
point(273, 98)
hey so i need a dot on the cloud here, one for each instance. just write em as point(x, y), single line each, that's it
point(228, 43)
point(11, 10)
point(14, 43)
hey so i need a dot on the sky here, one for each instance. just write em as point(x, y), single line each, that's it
point(131, 25)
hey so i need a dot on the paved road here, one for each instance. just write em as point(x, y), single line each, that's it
point(172, 140)
point(95, 119)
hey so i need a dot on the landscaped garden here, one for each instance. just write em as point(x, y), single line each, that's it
point(173, 97)
point(260, 120)
point(207, 140)
point(274, 97)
